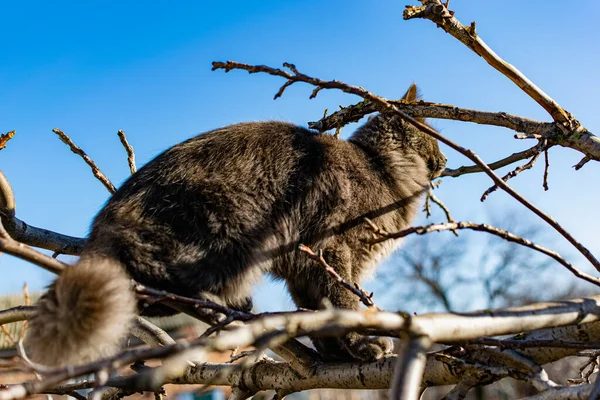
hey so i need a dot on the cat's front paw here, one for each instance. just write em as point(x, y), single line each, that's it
point(365, 348)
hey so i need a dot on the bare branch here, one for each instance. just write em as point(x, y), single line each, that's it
point(406, 383)
point(20, 313)
point(77, 150)
point(365, 298)
point(564, 393)
point(525, 344)
point(512, 174)
point(129, 150)
point(511, 237)
point(384, 105)
point(495, 165)
point(5, 137)
point(546, 167)
point(17, 249)
point(150, 334)
point(423, 109)
point(24, 233)
point(437, 12)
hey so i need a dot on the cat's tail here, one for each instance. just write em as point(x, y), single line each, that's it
point(84, 315)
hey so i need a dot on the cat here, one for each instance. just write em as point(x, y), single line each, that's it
point(209, 216)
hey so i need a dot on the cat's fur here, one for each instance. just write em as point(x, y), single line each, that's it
point(208, 217)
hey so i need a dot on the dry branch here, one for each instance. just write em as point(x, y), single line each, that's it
point(24, 233)
point(129, 150)
point(574, 135)
point(494, 166)
point(528, 165)
point(365, 298)
point(17, 249)
point(408, 373)
point(268, 375)
point(79, 151)
point(5, 137)
point(508, 236)
point(438, 12)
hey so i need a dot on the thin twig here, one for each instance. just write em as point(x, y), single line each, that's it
point(365, 298)
point(511, 175)
point(529, 343)
point(546, 167)
point(522, 155)
point(77, 150)
point(129, 150)
point(431, 196)
point(27, 304)
point(5, 137)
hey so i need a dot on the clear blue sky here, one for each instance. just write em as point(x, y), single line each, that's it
point(144, 67)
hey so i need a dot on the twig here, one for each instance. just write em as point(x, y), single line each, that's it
point(365, 298)
point(300, 357)
point(27, 304)
point(563, 393)
point(436, 200)
point(494, 166)
point(511, 174)
point(5, 137)
point(547, 166)
point(14, 314)
point(77, 150)
point(129, 150)
point(384, 105)
point(421, 230)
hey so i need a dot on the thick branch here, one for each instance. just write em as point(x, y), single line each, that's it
point(437, 12)
point(409, 369)
point(424, 109)
point(17, 249)
point(24, 233)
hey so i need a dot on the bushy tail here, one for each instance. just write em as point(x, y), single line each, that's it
point(84, 315)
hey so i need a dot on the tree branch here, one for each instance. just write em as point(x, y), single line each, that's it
point(510, 237)
point(129, 150)
point(24, 233)
point(408, 373)
point(78, 150)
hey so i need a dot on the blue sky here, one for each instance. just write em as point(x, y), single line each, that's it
point(145, 67)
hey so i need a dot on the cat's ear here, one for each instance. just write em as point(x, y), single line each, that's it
point(412, 94)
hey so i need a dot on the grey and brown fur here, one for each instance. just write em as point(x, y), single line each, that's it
point(208, 217)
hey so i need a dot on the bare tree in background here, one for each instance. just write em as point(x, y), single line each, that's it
point(446, 273)
point(472, 354)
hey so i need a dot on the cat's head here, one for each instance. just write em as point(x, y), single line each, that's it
point(389, 132)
